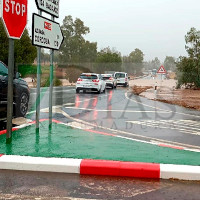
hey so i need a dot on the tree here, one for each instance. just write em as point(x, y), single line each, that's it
point(75, 48)
point(108, 60)
point(170, 63)
point(136, 56)
point(25, 53)
point(45, 57)
point(133, 64)
point(189, 67)
point(155, 64)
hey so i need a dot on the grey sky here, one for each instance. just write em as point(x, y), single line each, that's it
point(157, 27)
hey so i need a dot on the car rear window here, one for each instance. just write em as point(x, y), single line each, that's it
point(120, 75)
point(106, 77)
point(90, 77)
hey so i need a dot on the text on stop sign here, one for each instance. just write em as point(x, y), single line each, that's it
point(15, 8)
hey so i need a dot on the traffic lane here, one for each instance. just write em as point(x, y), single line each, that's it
point(137, 120)
point(32, 185)
point(61, 95)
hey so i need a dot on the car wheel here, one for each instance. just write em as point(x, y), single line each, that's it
point(77, 91)
point(104, 91)
point(22, 105)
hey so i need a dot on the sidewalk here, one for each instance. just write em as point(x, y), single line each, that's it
point(66, 142)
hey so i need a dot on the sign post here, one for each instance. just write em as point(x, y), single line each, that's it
point(38, 84)
point(46, 33)
point(162, 71)
point(14, 18)
point(10, 91)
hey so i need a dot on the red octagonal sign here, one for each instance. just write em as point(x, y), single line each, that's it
point(14, 17)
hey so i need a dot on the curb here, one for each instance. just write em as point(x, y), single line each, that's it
point(100, 167)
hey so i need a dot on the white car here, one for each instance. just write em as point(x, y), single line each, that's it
point(91, 82)
point(110, 80)
point(122, 78)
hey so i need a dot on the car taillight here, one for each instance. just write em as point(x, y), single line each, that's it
point(79, 79)
point(126, 79)
point(95, 81)
point(111, 78)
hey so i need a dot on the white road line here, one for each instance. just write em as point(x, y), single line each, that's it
point(58, 106)
point(157, 108)
point(131, 134)
point(132, 111)
point(166, 125)
point(54, 91)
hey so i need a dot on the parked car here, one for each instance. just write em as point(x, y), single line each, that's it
point(122, 78)
point(20, 92)
point(91, 82)
point(110, 80)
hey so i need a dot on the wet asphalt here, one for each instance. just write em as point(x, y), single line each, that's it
point(51, 186)
point(123, 113)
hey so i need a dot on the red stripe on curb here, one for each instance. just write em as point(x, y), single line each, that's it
point(56, 121)
point(121, 169)
point(5, 131)
point(98, 132)
point(41, 120)
point(170, 146)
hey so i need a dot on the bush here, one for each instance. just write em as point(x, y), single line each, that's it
point(46, 82)
point(27, 70)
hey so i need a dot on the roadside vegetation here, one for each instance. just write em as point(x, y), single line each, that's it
point(78, 55)
point(188, 68)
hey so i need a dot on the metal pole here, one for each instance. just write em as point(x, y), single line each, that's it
point(10, 91)
point(38, 84)
point(51, 85)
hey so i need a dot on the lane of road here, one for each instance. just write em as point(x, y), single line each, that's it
point(51, 186)
point(125, 114)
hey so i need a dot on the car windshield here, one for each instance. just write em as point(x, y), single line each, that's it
point(88, 76)
point(120, 75)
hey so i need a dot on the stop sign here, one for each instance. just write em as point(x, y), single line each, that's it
point(14, 17)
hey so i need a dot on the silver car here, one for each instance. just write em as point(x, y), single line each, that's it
point(90, 82)
point(122, 78)
point(110, 80)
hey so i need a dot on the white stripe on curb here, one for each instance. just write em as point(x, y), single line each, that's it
point(181, 172)
point(26, 163)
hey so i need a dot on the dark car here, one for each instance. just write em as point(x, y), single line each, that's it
point(20, 93)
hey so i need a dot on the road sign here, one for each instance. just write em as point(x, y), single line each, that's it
point(14, 17)
point(162, 70)
point(49, 6)
point(46, 33)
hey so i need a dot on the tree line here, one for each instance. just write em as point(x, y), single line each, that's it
point(77, 52)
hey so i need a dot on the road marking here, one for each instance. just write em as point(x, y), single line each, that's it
point(45, 109)
point(172, 124)
point(54, 91)
point(132, 111)
point(157, 108)
point(145, 138)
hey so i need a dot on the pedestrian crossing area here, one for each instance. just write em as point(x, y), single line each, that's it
point(183, 126)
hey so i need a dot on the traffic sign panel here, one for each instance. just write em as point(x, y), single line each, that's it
point(46, 33)
point(14, 17)
point(162, 70)
point(49, 6)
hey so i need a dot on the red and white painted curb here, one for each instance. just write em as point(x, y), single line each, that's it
point(100, 167)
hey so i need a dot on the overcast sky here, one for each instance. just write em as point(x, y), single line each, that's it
point(157, 27)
